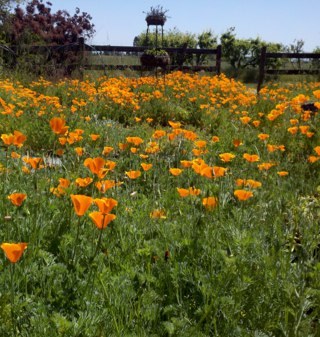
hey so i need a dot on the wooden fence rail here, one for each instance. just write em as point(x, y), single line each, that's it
point(264, 55)
point(82, 49)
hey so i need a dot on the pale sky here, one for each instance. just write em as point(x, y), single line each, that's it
point(117, 22)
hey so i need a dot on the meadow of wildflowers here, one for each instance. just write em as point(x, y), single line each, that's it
point(177, 206)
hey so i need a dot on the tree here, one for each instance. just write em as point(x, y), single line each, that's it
point(37, 24)
point(206, 40)
point(176, 39)
point(245, 53)
point(297, 48)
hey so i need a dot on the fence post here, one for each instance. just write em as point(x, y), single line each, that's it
point(261, 67)
point(81, 51)
point(218, 59)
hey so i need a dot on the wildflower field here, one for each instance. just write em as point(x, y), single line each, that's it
point(183, 205)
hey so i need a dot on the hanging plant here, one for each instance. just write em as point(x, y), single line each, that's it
point(155, 58)
point(156, 16)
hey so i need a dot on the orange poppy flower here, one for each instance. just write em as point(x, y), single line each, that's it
point(158, 134)
point(18, 138)
point(215, 139)
point(33, 162)
point(7, 138)
point(186, 163)
point(94, 137)
point(183, 192)
point(219, 171)
point(146, 167)
point(175, 171)
point(81, 203)
point(158, 214)
point(200, 144)
point(282, 173)
point(174, 125)
point(245, 119)
point(237, 142)
point(17, 198)
point(134, 140)
point(105, 205)
point(194, 191)
point(133, 174)
point(313, 159)
point(15, 155)
point(104, 185)
point(317, 150)
point(58, 125)
point(83, 182)
point(263, 136)
point(14, 251)
point(226, 157)
point(265, 166)
point(96, 166)
point(243, 195)
point(79, 151)
point(107, 150)
point(101, 220)
point(210, 203)
point(251, 158)
point(293, 130)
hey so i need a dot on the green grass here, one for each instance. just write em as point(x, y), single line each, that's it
point(244, 268)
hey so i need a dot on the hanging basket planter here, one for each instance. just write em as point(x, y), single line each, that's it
point(155, 60)
point(156, 20)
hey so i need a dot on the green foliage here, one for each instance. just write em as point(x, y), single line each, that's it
point(244, 268)
point(245, 53)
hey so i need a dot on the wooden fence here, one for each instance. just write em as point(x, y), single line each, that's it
point(82, 50)
point(264, 55)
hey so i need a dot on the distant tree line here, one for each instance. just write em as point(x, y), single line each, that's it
point(33, 22)
point(239, 53)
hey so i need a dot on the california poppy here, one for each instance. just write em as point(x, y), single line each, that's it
point(175, 171)
point(158, 214)
point(133, 174)
point(210, 203)
point(83, 182)
point(105, 205)
point(146, 166)
point(17, 198)
point(243, 195)
point(58, 125)
point(81, 203)
point(251, 158)
point(101, 220)
point(226, 157)
point(14, 251)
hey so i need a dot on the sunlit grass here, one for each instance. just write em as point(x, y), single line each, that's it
point(176, 206)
